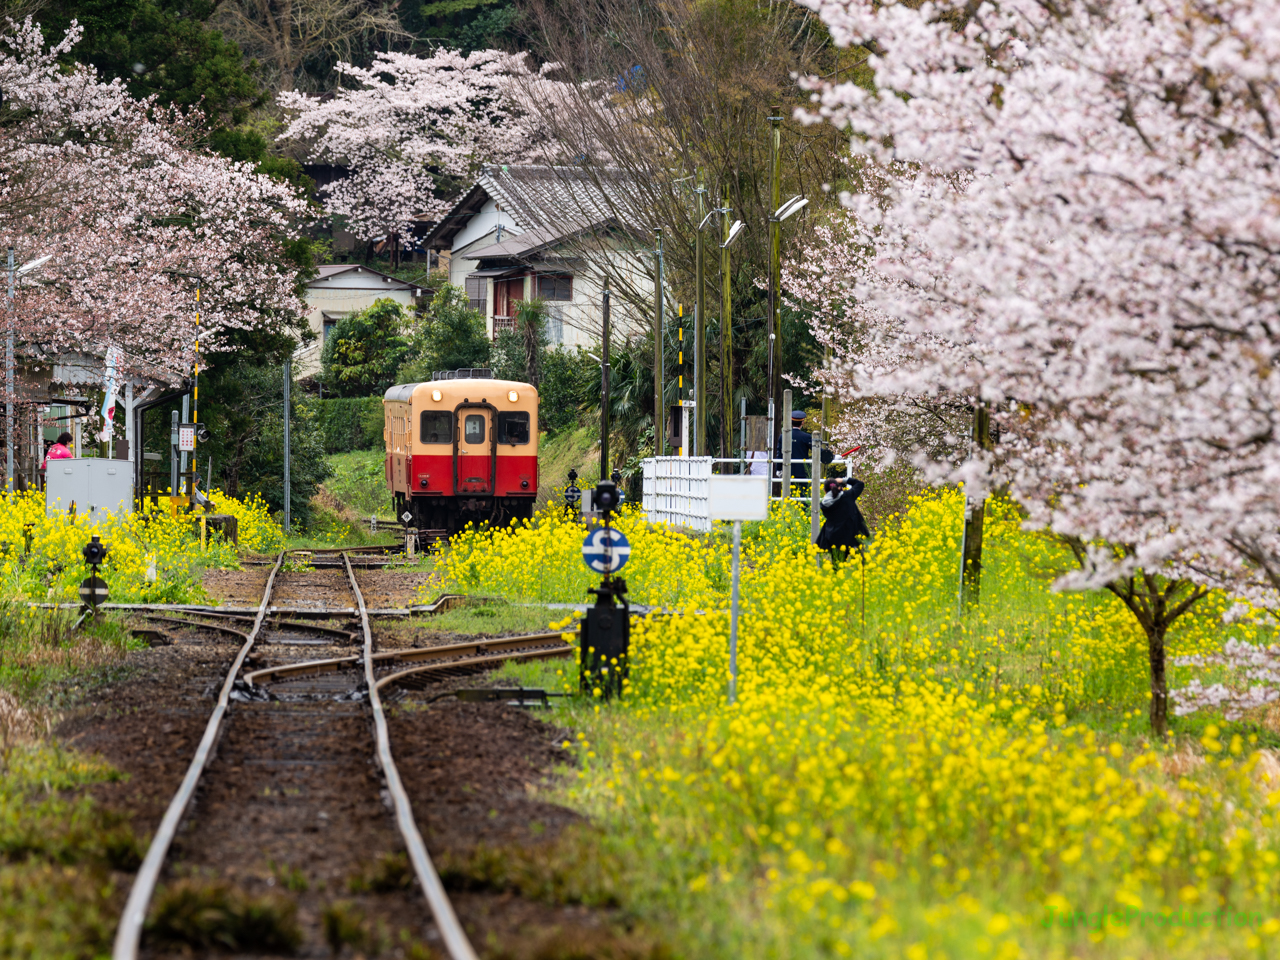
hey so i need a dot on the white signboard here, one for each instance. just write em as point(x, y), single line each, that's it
point(738, 498)
point(186, 438)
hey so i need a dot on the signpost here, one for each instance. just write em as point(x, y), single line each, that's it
point(737, 498)
point(605, 551)
point(606, 630)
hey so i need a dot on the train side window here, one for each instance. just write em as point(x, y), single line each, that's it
point(513, 427)
point(473, 428)
point(435, 427)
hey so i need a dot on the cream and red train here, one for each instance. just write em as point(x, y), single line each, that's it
point(462, 448)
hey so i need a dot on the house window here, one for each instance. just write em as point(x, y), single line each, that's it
point(328, 328)
point(555, 286)
point(477, 293)
point(555, 325)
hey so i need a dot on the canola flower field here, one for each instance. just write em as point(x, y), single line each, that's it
point(898, 781)
point(152, 558)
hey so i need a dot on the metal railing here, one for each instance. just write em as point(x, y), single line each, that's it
point(675, 489)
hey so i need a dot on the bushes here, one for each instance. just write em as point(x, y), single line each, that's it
point(351, 423)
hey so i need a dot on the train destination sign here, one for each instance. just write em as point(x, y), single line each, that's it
point(605, 550)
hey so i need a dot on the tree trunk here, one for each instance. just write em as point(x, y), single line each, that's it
point(1159, 711)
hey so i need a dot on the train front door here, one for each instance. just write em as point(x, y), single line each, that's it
point(474, 463)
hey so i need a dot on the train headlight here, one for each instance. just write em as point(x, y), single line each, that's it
point(436, 395)
point(512, 396)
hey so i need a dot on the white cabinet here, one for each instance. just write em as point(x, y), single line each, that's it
point(96, 486)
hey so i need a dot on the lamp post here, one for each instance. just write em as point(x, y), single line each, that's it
point(604, 382)
point(730, 234)
point(8, 366)
point(659, 364)
point(696, 441)
point(780, 213)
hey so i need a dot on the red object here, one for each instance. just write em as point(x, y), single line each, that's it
point(854, 450)
point(56, 452)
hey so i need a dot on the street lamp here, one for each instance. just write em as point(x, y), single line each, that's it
point(8, 366)
point(730, 234)
point(783, 212)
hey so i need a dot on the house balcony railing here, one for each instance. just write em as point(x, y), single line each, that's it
point(503, 324)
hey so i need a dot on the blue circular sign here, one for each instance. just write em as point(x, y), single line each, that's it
point(605, 550)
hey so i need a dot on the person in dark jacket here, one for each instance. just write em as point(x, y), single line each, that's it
point(843, 526)
point(801, 448)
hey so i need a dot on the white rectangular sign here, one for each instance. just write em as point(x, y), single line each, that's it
point(186, 438)
point(738, 498)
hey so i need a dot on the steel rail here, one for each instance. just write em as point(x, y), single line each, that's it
point(470, 664)
point(474, 648)
point(198, 624)
point(451, 932)
point(129, 932)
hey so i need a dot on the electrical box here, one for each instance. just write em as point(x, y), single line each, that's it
point(96, 486)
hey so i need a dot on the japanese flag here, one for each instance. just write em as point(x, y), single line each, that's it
point(109, 400)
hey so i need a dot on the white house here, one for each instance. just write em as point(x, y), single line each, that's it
point(535, 231)
point(341, 289)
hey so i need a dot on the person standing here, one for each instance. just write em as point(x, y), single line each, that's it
point(60, 450)
point(801, 448)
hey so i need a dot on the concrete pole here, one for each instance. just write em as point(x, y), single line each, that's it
point(288, 493)
point(726, 331)
point(604, 384)
point(8, 386)
point(786, 444)
point(774, 388)
point(697, 442)
point(659, 365)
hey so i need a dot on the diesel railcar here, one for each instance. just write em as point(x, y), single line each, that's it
point(461, 448)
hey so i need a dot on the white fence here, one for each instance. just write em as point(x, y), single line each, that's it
point(675, 488)
point(675, 491)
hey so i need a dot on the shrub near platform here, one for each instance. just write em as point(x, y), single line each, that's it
point(924, 786)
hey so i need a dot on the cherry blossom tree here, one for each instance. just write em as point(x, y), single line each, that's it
point(412, 130)
point(1077, 229)
point(134, 217)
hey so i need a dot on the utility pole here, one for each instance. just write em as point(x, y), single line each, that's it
point(604, 386)
point(775, 273)
point(726, 328)
point(698, 441)
point(8, 387)
point(974, 514)
point(288, 377)
point(659, 366)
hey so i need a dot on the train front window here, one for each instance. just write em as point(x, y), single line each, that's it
point(435, 427)
point(473, 428)
point(513, 428)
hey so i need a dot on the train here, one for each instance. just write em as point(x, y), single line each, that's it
point(461, 448)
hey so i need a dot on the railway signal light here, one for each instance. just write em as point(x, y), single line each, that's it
point(93, 590)
point(95, 552)
point(607, 498)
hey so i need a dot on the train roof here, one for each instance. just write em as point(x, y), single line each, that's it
point(403, 392)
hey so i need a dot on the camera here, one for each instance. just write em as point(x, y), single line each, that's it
point(202, 433)
point(95, 551)
point(606, 497)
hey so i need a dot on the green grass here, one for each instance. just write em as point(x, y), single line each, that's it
point(359, 482)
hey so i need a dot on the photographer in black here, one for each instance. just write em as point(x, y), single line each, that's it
point(843, 526)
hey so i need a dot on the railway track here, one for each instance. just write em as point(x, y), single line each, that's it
point(290, 722)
